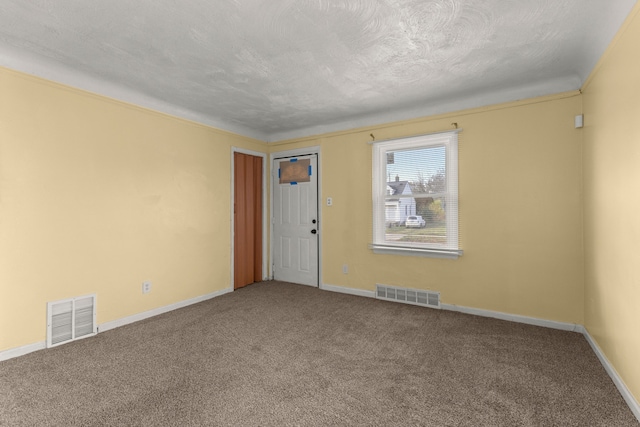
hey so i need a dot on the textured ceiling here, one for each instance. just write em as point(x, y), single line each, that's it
point(276, 69)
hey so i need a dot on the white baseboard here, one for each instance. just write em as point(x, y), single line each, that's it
point(617, 380)
point(475, 311)
point(21, 351)
point(572, 327)
point(160, 310)
point(29, 348)
point(514, 318)
point(350, 291)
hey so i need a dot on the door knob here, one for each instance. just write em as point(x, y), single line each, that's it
point(314, 231)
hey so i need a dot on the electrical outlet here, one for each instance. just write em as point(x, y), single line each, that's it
point(345, 269)
point(329, 201)
point(146, 287)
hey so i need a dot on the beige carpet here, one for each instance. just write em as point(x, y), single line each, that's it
point(278, 354)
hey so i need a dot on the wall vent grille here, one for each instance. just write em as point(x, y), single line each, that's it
point(408, 296)
point(71, 319)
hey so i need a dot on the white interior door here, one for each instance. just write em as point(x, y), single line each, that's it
point(295, 219)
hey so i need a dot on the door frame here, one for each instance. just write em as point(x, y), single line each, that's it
point(296, 153)
point(265, 213)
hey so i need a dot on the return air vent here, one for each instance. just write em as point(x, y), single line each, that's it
point(408, 296)
point(71, 319)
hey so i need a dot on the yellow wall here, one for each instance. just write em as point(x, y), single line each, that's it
point(520, 210)
point(97, 196)
point(612, 203)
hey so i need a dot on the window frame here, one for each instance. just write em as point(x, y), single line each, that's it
point(379, 245)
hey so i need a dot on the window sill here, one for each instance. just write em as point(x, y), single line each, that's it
point(413, 251)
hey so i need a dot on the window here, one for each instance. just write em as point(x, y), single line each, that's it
point(415, 196)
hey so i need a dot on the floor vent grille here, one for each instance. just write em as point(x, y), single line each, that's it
point(408, 296)
point(71, 319)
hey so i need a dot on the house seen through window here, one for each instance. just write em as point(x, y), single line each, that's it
point(415, 194)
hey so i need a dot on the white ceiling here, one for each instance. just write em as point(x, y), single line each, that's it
point(278, 69)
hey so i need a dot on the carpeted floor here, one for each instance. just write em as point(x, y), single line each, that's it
point(279, 354)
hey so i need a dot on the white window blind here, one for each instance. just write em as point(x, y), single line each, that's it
point(415, 195)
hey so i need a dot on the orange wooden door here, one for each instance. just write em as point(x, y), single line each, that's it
point(247, 254)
